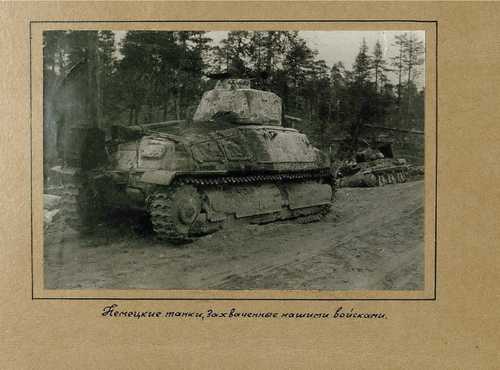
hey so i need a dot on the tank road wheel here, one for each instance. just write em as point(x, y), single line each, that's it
point(371, 180)
point(174, 211)
point(401, 177)
point(390, 176)
point(380, 180)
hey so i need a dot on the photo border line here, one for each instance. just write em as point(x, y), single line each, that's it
point(435, 22)
point(31, 160)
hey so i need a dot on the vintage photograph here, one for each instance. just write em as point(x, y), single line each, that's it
point(234, 160)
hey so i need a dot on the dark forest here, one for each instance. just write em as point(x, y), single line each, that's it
point(158, 76)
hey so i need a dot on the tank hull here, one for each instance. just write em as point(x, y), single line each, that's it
point(378, 172)
point(256, 173)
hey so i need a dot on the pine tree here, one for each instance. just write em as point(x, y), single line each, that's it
point(362, 65)
point(379, 66)
point(414, 50)
point(298, 61)
point(361, 94)
point(398, 62)
point(106, 91)
point(237, 50)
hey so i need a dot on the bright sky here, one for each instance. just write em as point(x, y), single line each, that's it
point(335, 46)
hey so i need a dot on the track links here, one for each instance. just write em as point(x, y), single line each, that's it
point(162, 217)
point(315, 217)
point(160, 202)
point(391, 178)
point(223, 180)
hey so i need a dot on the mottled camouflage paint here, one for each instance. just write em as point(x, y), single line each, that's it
point(248, 106)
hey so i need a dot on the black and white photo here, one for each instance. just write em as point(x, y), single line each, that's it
point(234, 160)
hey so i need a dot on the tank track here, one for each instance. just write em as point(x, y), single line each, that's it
point(378, 178)
point(80, 210)
point(392, 177)
point(160, 202)
point(162, 217)
point(255, 179)
point(314, 217)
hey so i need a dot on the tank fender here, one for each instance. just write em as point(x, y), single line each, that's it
point(159, 177)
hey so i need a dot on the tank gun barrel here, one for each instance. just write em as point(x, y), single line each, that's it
point(157, 125)
point(136, 131)
point(410, 131)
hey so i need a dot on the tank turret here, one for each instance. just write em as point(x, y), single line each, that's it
point(233, 100)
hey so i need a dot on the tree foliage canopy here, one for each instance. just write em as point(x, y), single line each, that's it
point(158, 75)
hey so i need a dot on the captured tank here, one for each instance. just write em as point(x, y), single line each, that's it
point(233, 161)
point(373, 165)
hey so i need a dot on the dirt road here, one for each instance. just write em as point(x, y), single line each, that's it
point(373, 239)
